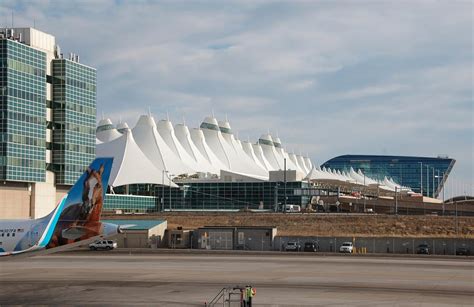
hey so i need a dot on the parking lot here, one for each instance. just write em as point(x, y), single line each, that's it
point(181, 279)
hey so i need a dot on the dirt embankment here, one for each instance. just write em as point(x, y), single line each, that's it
point(324, 225)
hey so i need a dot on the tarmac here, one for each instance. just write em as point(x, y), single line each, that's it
point(182, 279)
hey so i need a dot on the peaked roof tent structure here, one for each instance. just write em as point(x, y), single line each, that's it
point(257, 149)
point(210, 149)
point(301, 163)
point(294, 159)
point(184, 137)
point(166, 130)
point(215, 141)
point(268, 148)
point(282, 155)
point(199, 140)
point(121, 127)
point(156, 149)
point(308, 163)
point(245, 164)
point(130, 165)
point(248, 149)
point(106, 131)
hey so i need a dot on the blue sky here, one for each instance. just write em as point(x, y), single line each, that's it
point(330, 77)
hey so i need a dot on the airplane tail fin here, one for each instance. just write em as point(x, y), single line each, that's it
point(77, 217)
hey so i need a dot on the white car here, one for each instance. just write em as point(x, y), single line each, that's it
point(104, 244)
point(292, 247)
point(346, 247)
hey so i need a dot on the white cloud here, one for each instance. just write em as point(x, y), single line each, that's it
point(333, 77)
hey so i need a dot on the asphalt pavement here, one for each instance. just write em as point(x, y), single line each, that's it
point(88, 278)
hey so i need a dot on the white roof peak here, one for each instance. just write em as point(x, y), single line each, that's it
point(104, 121)
point(146, 120)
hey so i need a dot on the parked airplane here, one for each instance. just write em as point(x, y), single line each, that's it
point(75, 221)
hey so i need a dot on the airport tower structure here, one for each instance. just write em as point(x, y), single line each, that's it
point(48, 121)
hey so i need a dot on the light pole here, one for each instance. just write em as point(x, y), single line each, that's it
point(163, 190)
point(433, 182)
point(396, 201)
point(427, 180)
point(284, 179)
point(442, 180)
point(364, 195)
point(169, 177)
point(421, 178)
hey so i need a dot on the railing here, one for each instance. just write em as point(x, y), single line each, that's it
point(216, 299)
point(227, 296)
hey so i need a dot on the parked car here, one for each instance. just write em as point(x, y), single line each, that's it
point(346, 247)
point(463, 251)
point(292, 247)
point(103, 244)
point(292, 208)
point(423, 249)
point(310, 247)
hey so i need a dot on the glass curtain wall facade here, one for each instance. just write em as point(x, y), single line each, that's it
point(421, 174)
point(74, 116)
point(209, 196)
point(23, 109)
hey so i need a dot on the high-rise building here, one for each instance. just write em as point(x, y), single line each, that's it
point(47, 121)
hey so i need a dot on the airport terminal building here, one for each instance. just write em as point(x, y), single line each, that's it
point(159, 167)
point(48, 119)
point(49, 136)
point(422, 174)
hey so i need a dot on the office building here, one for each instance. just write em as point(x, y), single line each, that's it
point(48, 111)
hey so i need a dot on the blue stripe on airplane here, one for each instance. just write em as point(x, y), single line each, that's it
point(52, 226)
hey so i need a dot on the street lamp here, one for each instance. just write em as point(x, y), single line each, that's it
point(421, 178)
point(427, 180)
point(442, 180)
point(169, 177)
point(163, 189)
point(365, 210)
point(284, 178)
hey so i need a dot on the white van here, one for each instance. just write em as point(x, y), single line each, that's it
point(292, 208)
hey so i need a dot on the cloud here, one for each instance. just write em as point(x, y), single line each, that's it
point(332, 77)
point(376, 90)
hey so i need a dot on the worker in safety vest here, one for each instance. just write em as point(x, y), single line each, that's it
point(249, 294)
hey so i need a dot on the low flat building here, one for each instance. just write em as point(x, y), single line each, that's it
point(179, 238)
point(143, 233)
point(235, 237)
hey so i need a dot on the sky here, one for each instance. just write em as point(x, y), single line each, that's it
point(328, 77)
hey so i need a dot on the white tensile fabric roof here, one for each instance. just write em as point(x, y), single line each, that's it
point(353, 179)
point(130, 166)
point(106, 132)
point(156, 149)
point(180, 151)
point(257, 149)
point(201, 163)
point(166, 130)
point(199, 140)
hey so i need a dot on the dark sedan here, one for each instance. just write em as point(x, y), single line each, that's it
point(423, 249)
point(310, 247)
point(463, 251)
